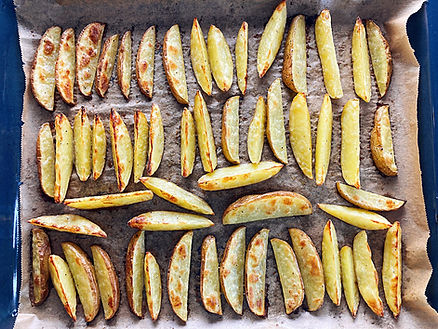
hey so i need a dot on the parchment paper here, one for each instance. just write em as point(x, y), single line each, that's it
point(34, 17)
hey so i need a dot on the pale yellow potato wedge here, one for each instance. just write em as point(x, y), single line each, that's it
point(275, 130)
point(178, 276)
point(382, 149)
point(173, 62)
point(121, 148)
point(327, 54)
point(392, 268)
point(45, 154)
point(241, 53)
point(188, 143)
point(42, 78)
point(98, 147)
point(65, 69)
point(82, 140)
point(141, 143)
point(310, 267)
point(87, 55)
point(209, 282)
point(350, 143)
point(207, 147)
point(134, 273)
point(63, 282)
point(63, 156)
point(107, 281)
point(361, 62)
point(256, 132)
point(289, 273)
point(219, 55)
point(232, 269)
point(381, 57)
point(271, 39)
point(300, 134)
point(144, 64)
point(177, 195)
point(39, 282)
point(124, 61)
point(367, 277)
point(295, 56)
point(109, 200)
point(199, 57)
point(349, 280)
point(169, 221)
point(156, 141)
point(84, 278)
point(106, 63)
point(331, 263)
point(69, 223)
point(230, 130)
point(255, 272)
point(152, 280)
point(323, 146)
point(368, 200)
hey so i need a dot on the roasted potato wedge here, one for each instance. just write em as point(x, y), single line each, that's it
point(124, 59)
point(331, 263)
point(156, 141)
point(367, 277)
point(168, 221)
point(271, 39)
point(241, 53)
point(178, 276)
point(141, 143)
point(188, 143)
point(349, 280)
point(87, 55)
point(350, 143)
point(264, 206)
point(107, 281)
point(152, 280)
point(144, 64)
point(323, 140)
point(230, 130)
point(65, 69)
point(256, 132)
point(310, 267)
point(289, 273)
point(82, 140)
point(219, 55)
point(134, 272)
point(106, 63)
point(98, 147)
point(209, 282)
point(45, 155)
point(199, 57)
point(361, 62)
point(39, 283)
point(42, 79)
point(69, 223)
point(63, 156)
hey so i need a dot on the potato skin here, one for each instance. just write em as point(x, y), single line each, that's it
point(39, 284)
point(129, 272)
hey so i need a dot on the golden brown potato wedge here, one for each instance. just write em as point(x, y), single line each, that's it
point(256, 132)
point(156, 141)
point(168, 221)
point(188, 143)
point(361, 62)
point(65, 70)
point(331, 263)
point(199, 57)
point(310, 267)
point(106, 65)
point(98, 147)
point(219, 55)
point(45, 155)
point(124, 59)
point(82, 140)
point(144, 64)
point(350, 143)
point(209, 282)
point(230, 130)
point(349, 280)
point(134, 272)
point(241, 52)
point(141, 143)
point(323, 140)
point(63, 156)
point(39, 283)
point(152, 280)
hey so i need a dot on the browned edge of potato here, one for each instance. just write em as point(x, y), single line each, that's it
point(65, 70)
point(144, 63)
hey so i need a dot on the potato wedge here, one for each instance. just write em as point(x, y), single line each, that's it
point(82, 141)
point(300, 134)
point(188, 143)
point(349, 280)
point(361, 218)
point(256, 132)
point(156, 141)
point(87, 55)
point(368, 200)
point(392, 268)
point(134, 273)
point(63, 282)
point(107, 281)
point(310, 267)
point(168, 221)
point(121, 149)
point(63, 156)
point(219, 55)
point(124, 59)
point(152, 280)
point(173, 62)
point(275, 130)
point(105, 65)
point(381, 57)
point(98, 147)
point(382, 148)
point(271, 39)
point(84, 278)
point(178, 276)
point(141, 143)
point(45, 155)
point(207, 148)
point(69, 223)
point(230, 130)
point(42, 79)
point(265, 206)
point(39, 283)
point(199, 57)
point(331, 263)
point(323, 140)
point(361, 62)
point(289, 273)
point(177, 195)
point(241, 53)
point(327, 54)
point(350, 143)
point(65, 69)
point(144, 64)
point(367, 277)
point(209, 282)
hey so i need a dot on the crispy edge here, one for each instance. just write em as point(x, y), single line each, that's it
point(147, 90)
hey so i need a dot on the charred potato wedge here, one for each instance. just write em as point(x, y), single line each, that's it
point(134, 272)
point(45, 154)
point(209, 282)
point(144, 64)
point(65, 69)
point(361, 62)
point(199, 57)
point(168, 221)
point(230, 130)
point(256, 132)
point(349, 280)
point(188, 143)
point(219, 55)
point(98, 147)
point(156, 141)
point(323, 140)
point(141, 143)
point(106, 63)
point(82, 140)
point(39, 283)
point(124, 59)
point(241, 53)
point(152, 280)
point(63, 156)
point(109, 200)
point(331, 263)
